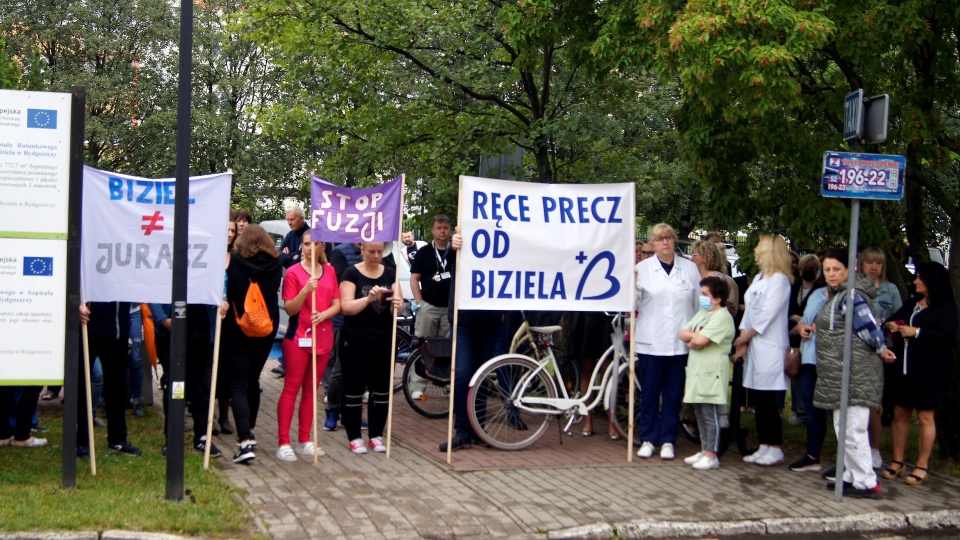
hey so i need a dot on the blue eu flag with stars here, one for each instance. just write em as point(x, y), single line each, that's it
point(38, 266)
point(42, 118)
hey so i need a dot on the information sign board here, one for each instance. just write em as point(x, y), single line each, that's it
point(863, 176)
point(853, 115)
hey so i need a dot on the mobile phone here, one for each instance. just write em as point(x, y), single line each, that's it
point(387, 293)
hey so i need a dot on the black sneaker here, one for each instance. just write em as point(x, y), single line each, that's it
point(480, 442)
point(516, 422)
point(806, 463)
point(138, 410)
point(833, 485)
point(876, 492)
point(459, 443)
point(830, 475)
point(83, 452)
point(125, 448)
point(200, 445)
point(245, 452)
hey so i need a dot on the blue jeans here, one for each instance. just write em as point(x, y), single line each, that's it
point(475, 345)
point(816, 418)
point(661, 380)
point(135, 361)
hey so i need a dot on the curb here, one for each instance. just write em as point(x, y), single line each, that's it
point(872, 522)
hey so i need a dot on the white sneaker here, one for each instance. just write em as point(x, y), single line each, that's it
point(285, 453)
point(377, 444)
point(752, 458)
point(646, 450)
point(416, 396)
point(666, 451)
point(877, 459)
point(707, 464)
point(773, 456)
point(693, 459)
point(306, 449)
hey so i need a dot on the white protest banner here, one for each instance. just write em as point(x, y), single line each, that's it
point(564, 247)
point(127, 241)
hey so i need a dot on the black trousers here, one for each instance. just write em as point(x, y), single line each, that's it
point(242, 363)
point(366, 366)
point(199, 363)
point(769, 424)
point(113, 359)
point(22, 411)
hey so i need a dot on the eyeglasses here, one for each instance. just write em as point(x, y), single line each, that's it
point(648, 253)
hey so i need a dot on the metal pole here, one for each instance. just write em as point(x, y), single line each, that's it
point(71, 359)
point(847, 348)
point(178, 333)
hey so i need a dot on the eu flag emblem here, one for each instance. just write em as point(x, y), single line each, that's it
point(38, 266)
point(42, 118)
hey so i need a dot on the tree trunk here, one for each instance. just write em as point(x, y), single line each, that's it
point(913, 200)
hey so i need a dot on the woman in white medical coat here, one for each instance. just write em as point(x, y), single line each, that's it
point(763, 342)
point(668, 291)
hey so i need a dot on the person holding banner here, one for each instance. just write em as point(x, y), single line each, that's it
point(108, 325)
point(763, 342)
point(368, 296)
point(311, 279)
point(255, 260)
point(667, 297)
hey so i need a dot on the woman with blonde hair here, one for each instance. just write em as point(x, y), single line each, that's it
point(763, 342)
point(873, 263)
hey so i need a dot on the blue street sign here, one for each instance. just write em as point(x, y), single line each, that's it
point(863, 176)
point(853, 115)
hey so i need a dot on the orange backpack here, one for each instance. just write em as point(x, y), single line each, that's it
point(256, 321)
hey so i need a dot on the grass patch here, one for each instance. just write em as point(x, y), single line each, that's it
point(127, 492)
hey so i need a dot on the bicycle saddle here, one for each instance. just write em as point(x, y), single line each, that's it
point(547, 330)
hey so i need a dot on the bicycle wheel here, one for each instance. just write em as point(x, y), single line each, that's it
point(490, 403)
point(424, 396)
point(403, 354)
point(619, 409)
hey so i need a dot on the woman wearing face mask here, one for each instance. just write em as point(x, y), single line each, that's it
point(709, 335)
point(866, 371)
point(808, 270)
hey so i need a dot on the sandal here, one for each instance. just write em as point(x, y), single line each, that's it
point(890, 473)
point(914, 480)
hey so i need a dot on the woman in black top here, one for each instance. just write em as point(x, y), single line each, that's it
point(369, 293)
point(255, 260)
point(924, 330)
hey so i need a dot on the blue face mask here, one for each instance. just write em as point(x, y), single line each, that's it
point(705, 302)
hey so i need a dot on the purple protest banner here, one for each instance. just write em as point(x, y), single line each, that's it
point(342, 214)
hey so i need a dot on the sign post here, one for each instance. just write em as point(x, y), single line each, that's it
point(857, 176)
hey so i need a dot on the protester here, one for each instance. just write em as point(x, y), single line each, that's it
point(763, 342)
point(475, 346)
point(21, 409)
point(430, 282)
point(344, 256)
point(814, 417)
point(290, 247)
point(641, 251)
point(242, 218)
point(866, 373)
point(667, 295)
point(201, 321)
point(312, 278)
point(410, 246)
point(369, 297)
point(223, 382)
point(924, 335)
point(108, 330)
point(709, 335)
point(135, 362)
point(711, 261)
point(808, 270)
point(255, 260)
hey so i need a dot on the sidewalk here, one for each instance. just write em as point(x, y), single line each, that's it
point(581, 488)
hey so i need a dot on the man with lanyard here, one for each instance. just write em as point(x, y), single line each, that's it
point(430, 282)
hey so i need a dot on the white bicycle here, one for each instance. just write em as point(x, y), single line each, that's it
point(513, 396)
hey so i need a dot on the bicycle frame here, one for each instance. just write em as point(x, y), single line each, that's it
point(545, 359)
